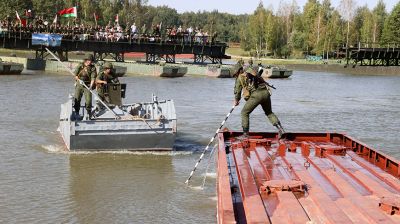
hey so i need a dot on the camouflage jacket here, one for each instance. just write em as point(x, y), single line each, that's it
point(245, 84)
point(109, 78)
point(86, 74)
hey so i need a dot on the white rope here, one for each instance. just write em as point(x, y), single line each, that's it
point(208, 165)
point(208, 145)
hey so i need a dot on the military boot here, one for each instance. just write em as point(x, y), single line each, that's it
point(76, 108)
point(244, 136)
point(281, 131)
point(88, 114)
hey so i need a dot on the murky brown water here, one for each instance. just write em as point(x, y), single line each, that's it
point(40, 183)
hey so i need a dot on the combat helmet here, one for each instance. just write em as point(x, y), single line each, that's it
point(108, 65)
point(236, 69)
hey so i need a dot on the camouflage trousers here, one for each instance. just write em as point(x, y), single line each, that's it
point(258, 97)
point(79, 91)
point(103, 95)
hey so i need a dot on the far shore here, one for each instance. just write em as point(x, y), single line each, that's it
point(330, 66)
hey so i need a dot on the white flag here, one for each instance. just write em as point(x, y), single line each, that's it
point(55, 20)
point(17, 16)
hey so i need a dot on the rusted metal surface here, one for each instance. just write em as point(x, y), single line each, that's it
point(272, 186)
point(391, 204)
point(311, 178)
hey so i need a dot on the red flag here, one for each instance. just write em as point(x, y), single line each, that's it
point(68, 12)
point(23, 22)
point(96, 17)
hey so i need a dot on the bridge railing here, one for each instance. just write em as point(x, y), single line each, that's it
point(182, 39)
point(360, 45)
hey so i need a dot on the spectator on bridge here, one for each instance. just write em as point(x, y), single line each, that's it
point(199, 36)
point(111, 32)
point(133, 29)
point(144, 30)
point(188, 35)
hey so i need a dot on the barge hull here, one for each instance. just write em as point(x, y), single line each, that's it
point(311, 178)
point(123, 142)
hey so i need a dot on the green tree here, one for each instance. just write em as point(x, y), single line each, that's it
point(363, 22)
point(167, 16)
point(347, 11)
point(325, 29)
point(269, 30)
point(109, 9)
point(311, 14)
point(255, 30)
point(335, 32)
point(286, 14)
point(358, 20)
point(8, 8)
point(87, 10)
point(391, 30)
point(379, 16)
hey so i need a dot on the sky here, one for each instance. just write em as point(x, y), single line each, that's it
point(248, 6)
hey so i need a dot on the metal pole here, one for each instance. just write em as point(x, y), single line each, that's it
point(91, 91)
point(211, 140)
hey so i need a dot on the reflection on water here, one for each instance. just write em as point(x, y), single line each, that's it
point(40, 182)
point(113, 188)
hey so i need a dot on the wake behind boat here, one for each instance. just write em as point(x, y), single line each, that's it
point(137, 126)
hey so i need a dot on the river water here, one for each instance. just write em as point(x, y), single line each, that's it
point(42, 183)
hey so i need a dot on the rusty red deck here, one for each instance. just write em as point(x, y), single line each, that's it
point(311, 178)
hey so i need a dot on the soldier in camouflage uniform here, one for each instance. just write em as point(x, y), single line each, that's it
point(105, 77)
point(250, 62)
point(241, 62)
point(84, 73)
point(255, 92)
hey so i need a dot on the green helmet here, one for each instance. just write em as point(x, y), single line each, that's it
point(236, 68)
point(107, 65)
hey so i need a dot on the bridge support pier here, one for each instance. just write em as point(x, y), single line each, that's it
point(200, 59)
point(100, 56)
point(152, 58)
point(170, 58)
point(41, 53)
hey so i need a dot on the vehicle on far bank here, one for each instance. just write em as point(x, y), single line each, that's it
point(275, 72)
point(10, 68)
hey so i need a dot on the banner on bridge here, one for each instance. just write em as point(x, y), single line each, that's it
point(52, 40)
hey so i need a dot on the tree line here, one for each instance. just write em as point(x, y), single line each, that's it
point(318, 29)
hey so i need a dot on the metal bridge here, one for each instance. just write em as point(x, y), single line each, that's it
point(162, 50)
point(371, 56)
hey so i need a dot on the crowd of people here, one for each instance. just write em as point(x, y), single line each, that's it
point(111, 32)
